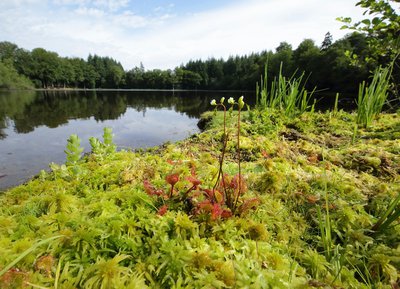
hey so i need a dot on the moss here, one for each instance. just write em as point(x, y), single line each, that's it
point(292, 167)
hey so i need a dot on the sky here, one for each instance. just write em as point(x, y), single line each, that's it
point(166, 34)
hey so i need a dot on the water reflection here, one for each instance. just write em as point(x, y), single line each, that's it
point(30, 109)
point(34, 126)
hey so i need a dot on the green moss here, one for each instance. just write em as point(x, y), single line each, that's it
point(291, 166)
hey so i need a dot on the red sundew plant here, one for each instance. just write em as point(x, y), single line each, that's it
point(14, 278)
point(223, 200)
point(172, 180)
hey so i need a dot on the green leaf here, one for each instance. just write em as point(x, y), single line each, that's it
point(366, 22)
point(376, 21)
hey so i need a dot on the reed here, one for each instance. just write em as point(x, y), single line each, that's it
point(283, 93)
point(372, 97)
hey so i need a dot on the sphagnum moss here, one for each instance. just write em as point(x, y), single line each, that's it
point(300, 171)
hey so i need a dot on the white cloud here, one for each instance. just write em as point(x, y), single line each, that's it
point(130, 20)
point(251, 26)
point(71, 2)
point(163, 40)
point(90, 12)
point(112, 5)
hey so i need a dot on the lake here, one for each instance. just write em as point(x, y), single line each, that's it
point(35, 125)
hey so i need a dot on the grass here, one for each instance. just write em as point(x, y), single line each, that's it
point(373, 96)
point(286, 94)
point(326, 213)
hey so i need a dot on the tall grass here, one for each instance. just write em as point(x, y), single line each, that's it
point(286, 94)
point(372, 97)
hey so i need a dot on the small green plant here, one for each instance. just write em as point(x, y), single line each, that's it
point(74, 150)
point(107, 147)
point(335, 107)
point(325, 229)
point(372, 97)
point(73, 153)
point(106, 273)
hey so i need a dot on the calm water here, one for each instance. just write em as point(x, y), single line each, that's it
point(35, 125)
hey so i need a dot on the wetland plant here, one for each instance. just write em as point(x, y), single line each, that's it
point(223, 200)
point(372, 97)
point(286, 94)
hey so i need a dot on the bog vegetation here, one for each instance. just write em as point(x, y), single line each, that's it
point(279, 196)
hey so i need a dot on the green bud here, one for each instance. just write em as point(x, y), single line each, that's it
point(231, 100)
point(213, 102)
point(241, 102)
point(222, 100)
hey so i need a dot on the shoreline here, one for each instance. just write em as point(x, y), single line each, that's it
point(128, 89)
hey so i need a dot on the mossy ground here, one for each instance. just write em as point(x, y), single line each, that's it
point(322, 185)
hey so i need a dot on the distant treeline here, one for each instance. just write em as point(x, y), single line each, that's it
point(336, 66)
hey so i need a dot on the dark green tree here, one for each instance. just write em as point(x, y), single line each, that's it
point(327, 42)
point(46, 67)
point(7, 50)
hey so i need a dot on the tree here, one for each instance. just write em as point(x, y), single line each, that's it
point(188, 79)
point(7, 50)
point(67, 75)
point(10, 79)
point(328, 40)
point(339, 72)
point(307, 57)
point(383, 34)
point(46, 67)
point(284, 55)
point(383, 30)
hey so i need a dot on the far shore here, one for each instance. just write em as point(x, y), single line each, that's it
point(128, 89)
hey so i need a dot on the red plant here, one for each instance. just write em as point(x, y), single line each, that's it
point(215, 210)
point(172, 180)
point(161, 211)
point(222, 202)
point(14, 278)
point(150, 190)
point(195, 182)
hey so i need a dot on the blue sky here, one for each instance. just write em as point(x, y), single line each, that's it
point(165, 34)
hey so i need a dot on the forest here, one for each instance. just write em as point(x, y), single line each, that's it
point(333, 66)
